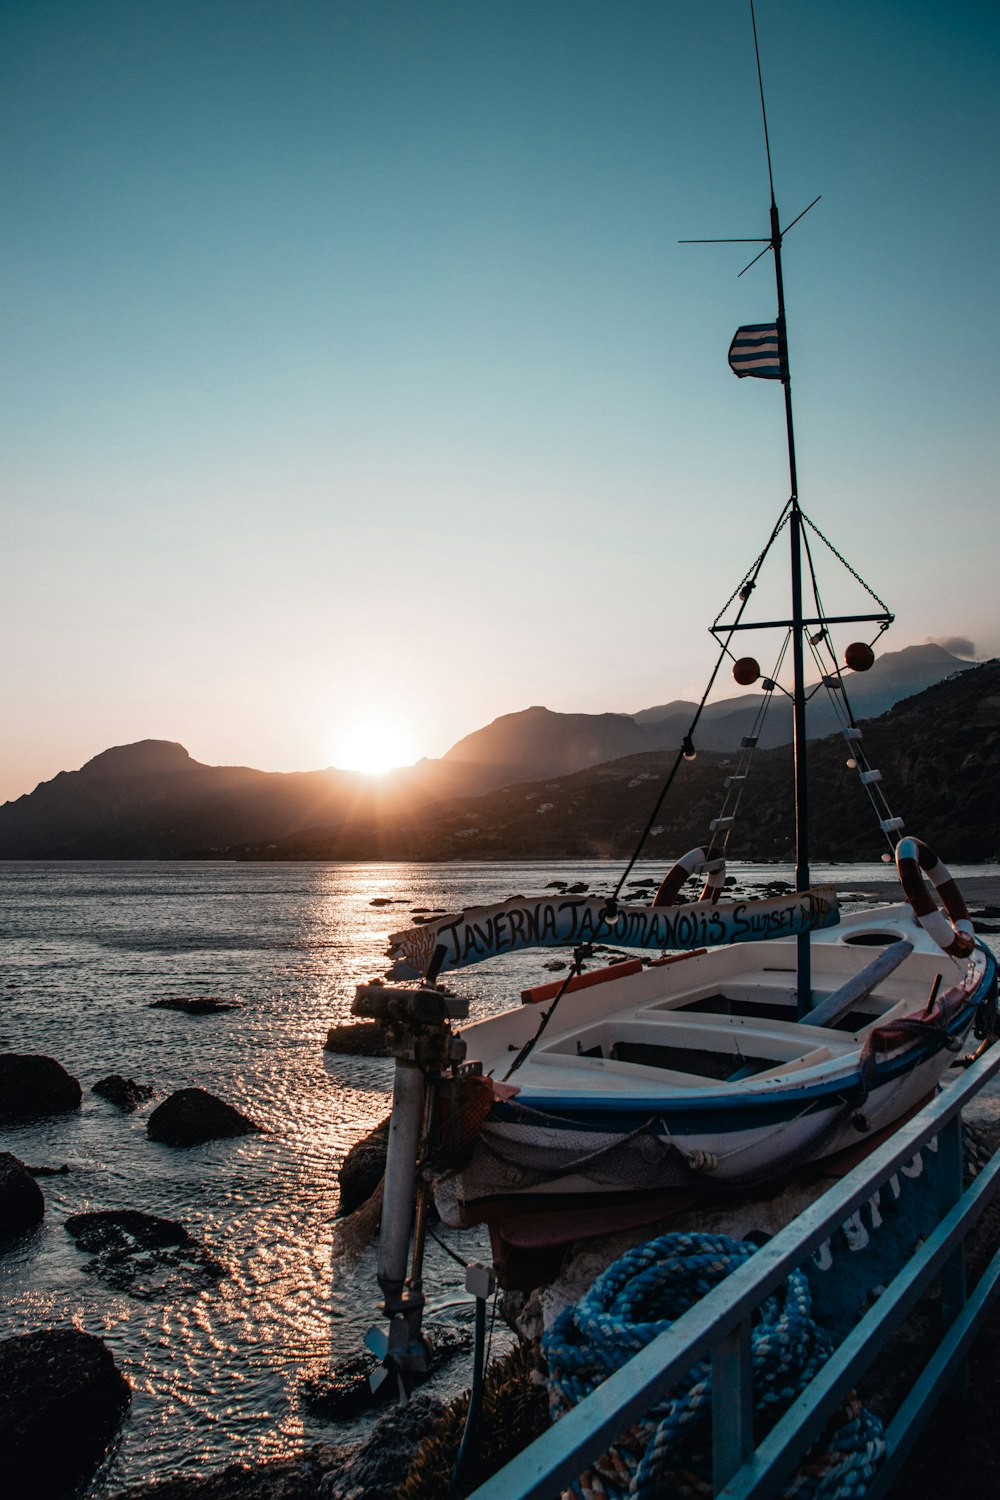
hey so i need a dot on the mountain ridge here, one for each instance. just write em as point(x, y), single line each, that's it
point(153, 800)
point(939, 752)
point(542, 742)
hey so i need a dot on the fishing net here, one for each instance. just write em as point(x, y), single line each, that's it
point(527, 1149)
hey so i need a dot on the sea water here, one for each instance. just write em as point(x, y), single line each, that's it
point(87, 948)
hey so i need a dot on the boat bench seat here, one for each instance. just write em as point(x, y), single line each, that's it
point(692, 1050)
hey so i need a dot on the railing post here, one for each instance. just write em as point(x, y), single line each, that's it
point(951, 1160)
point(732, 1404)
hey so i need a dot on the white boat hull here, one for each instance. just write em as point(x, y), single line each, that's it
point(699, 1073)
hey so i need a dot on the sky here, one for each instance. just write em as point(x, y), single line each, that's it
point(353, 369)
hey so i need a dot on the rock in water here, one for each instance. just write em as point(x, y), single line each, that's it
point(191, 1116)
point(61, 1400)
point(125, 1229)
point(196, 1005)
point(124, 1092)
point(308, 1474)
point(383, 1460)
point(33, 1085)
point(357, 1039)
point(343, 1392)
point(22, 1205)
point(363, 1168)
point(143, 1255)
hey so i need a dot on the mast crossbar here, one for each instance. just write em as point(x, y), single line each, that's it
point(745, 239)
point(812, 620)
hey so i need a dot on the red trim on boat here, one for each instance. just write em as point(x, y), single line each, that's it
point(676, 958)
point(581, 981)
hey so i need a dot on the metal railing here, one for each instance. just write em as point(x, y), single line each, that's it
point(717, 1327)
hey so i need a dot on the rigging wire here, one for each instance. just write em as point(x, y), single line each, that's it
point(743, 592)
point(447, 1248)
point(853, 571)
point(525, 1051)
point(750, 577)
point(839, 698)
point(734, 785)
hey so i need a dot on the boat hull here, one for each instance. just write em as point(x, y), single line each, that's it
point(614, 1097)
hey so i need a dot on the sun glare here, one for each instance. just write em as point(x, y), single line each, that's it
point(374, 746)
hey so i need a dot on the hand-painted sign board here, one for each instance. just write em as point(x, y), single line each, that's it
point(565, 921)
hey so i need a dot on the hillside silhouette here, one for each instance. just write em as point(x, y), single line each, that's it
point(939, 753)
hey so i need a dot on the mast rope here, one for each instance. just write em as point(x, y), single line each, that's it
point(743, 591)
point(842, 707)
point(853, 571)
point(750, 577)
point(839, 698)
point(734, 785)
point(579, 954)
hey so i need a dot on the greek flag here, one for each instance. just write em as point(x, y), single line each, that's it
point(756, 350)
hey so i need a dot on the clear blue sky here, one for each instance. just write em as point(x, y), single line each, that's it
point(351, 363)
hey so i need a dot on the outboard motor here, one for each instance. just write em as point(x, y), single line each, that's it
point(419, 1035)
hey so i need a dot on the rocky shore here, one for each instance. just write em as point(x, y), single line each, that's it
point(62, 1397)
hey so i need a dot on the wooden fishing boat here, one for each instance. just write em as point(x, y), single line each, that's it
point(750, 1039)
point(676, 1078)
point(695, 1068)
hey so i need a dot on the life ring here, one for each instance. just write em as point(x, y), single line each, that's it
point(689, 864)
point(952, 928)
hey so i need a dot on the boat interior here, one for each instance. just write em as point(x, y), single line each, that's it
point(729, 1015)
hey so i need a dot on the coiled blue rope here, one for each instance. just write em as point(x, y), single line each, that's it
point(639, 1297)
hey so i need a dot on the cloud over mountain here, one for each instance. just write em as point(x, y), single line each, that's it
point(958, 645)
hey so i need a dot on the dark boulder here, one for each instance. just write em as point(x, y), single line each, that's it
point(191, 1116)
point(357, 1039)
point(310, 1474)
point(22, 1205)
point(125, 1229)
point(142, 1255)
point(384, 1459)
point(196, 1005)
point(343, 1392)
point(33, 1085)
point(123, 1092)
point(61, 1401)
point(363, 1168)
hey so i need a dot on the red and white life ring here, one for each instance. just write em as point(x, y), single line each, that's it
point(689, 864)
point(952, 928)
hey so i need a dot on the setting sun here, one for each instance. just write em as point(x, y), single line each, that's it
point(373, 746)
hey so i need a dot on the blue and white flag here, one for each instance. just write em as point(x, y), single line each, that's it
point(756, 350)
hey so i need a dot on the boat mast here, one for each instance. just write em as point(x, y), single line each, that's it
point(804, 957)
